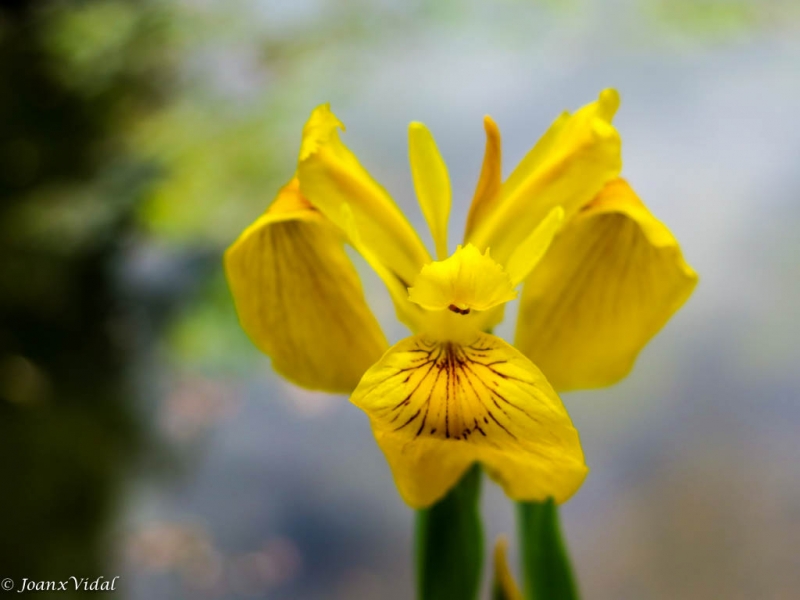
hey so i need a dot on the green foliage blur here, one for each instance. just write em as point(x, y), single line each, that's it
point(68, 192)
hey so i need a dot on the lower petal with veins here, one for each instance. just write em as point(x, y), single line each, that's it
point(438, 406)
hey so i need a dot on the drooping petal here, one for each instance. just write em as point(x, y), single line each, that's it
point(299, 298)
point(486, 192)
point(331, 177)
point(609, 282)
point(437, 407)
point(431, 182)
point(568, 167)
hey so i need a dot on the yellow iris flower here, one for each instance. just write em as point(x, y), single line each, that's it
point(452, 394)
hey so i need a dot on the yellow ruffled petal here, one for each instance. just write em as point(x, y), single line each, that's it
point(503, 587)
point(299, 298)
point(609, 282)
point(437, 407)
point(568, 167)
point(486, 192)
point(466, 281)
point(431, 183)
point(331, 177)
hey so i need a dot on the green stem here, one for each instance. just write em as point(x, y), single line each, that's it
point(545, 562)
point(449, 543)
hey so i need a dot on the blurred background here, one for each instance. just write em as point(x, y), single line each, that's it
point(142, 435)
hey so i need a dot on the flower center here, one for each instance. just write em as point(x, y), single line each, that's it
point(466, 281)
point(460, 311)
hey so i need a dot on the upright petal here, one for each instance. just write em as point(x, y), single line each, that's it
point(487, 190)
point(568, 167)
point(437, 407)
point(431, 182)
point(503, 586)
point(528, 254)
point(407, 312)
point(331, 177)
point(609, 282)
point(299, 298)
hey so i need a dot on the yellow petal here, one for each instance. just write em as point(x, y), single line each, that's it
point(431, 183)
point(331, 177)
point(568, 167)
point(407, 312)
point(610, 281)
point(299, 298)
point(486, 192)
point(437, 407)
point(504, 586)
point(528, 254)
point(466, 281)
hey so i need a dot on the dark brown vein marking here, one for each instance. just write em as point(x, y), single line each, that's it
point(462, 399)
